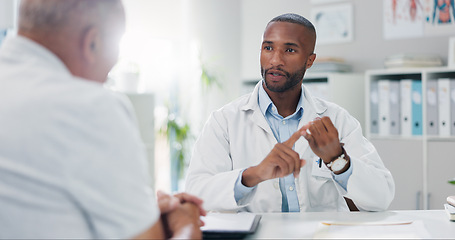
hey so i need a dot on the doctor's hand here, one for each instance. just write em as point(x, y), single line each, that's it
point(280, 162)
point(323, 139)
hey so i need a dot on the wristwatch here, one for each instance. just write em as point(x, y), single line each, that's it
point(337, 165)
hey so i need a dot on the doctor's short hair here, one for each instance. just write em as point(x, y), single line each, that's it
point(297, 19)
point(294, 18)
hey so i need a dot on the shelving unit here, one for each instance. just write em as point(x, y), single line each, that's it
point(421, 165)
point(344, 89)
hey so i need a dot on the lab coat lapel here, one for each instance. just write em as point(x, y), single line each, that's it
point(259, 120)
point(256, 117)
point(312, 110)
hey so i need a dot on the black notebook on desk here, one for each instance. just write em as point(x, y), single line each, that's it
point(229, 225)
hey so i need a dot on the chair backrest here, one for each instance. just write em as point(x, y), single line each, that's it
point(351, 205)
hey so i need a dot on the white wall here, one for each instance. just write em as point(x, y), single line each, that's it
point(215, 29)
point(203, 30)
point(152, 41)
point(7, 13)
point(366, 51)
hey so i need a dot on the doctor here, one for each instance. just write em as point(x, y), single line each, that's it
point(250, 155)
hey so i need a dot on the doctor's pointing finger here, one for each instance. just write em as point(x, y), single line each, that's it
point(280, 162)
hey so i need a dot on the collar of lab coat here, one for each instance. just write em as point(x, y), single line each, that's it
point(312, 106)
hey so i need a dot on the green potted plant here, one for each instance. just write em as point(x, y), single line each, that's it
point(177, 133)
point(177, 130)
point(452, 181)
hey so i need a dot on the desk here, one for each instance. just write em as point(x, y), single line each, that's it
point(304, 225)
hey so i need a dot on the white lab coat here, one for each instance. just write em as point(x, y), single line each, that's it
point(238, 136)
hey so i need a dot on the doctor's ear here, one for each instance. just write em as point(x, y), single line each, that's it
point(89, 44)
point(310, 60)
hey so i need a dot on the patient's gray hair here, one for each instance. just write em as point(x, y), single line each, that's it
point(54, 15)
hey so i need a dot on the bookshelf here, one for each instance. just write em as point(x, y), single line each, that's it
point(420, 164)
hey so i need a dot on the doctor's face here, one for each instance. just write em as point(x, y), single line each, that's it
point(286, 53)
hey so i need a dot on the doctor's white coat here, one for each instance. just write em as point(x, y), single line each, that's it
point(238, 136)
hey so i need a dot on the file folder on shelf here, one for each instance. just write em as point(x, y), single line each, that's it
point(416, 107)
point(432, 107)
point(406, 107)
point(394, 107)
point(374, 114)
point(452, 106)
point(384, 107)
point(444, 106)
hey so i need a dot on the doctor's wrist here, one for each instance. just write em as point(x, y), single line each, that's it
point(250, 178)
point(340, 164)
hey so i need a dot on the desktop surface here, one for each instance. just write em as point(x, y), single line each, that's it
point(401, 224)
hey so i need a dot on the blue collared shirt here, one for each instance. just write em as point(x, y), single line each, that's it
point(282, 129)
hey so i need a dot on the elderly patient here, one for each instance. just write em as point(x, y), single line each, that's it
point(72, 164)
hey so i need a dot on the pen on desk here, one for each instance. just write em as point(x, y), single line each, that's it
point(367, 223)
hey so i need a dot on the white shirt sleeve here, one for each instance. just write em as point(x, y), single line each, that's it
point(343, 178)
point(241, 191)
point(108, 176)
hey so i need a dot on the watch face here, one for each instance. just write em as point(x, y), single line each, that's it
point(338, 164)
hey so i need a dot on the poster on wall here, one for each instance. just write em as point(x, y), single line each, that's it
point(334, 24)
point(403, 19)
point(417, 18)
point(439, 17)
